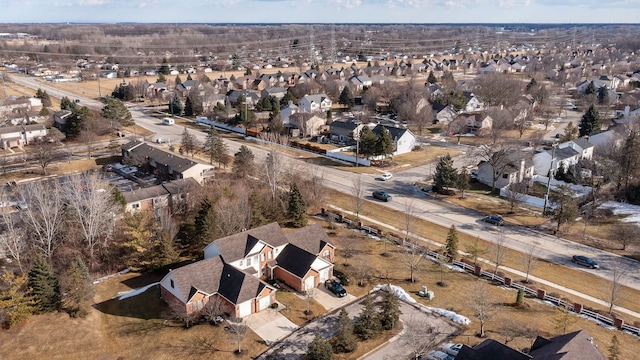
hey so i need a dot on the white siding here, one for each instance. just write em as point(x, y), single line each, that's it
point(265, 302)
point(166, 283)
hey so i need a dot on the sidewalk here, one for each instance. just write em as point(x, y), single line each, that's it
point(513, 271)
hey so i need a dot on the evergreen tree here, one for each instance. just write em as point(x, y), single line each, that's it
point(205, 222)
point(367, 326)
point(161, 78)
point(67, 104)
point(462, 182)
point(319, 349)
point(178, 81)
point(189, 78)
point(452, 242)
point(288, 96)
point(77, 121)
point(257, 210)
point(243, 165)
point(165, 252)
point(188, 107)
point(590, 122)
point(432, 78)
point(15, 302)
point(520, 297)
point(384, 143)
point(175, 106)
point(614, 349)
point(345, 340)
point(209, 146)
point(188, 143)
point(390, 311)
point(531, 85)
point(591, 89)
point(297, 211)
point(78, 289)
point(164, 67)
point(44, 285)
point(603, 95)
point(44, 97)
point(346, 98)
point(115, 110)
point(445, 175)
point(367, 142)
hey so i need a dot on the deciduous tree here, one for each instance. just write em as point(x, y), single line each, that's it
point(480, 303)
point(44, 214)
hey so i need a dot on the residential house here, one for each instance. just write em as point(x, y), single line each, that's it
point(276, 92)
point(287, 111)
point(403, 139)
point(185, 88)
point(360, 81)
point(167, 196)
point(608, 140)
point(566, 155)
point(314, 103)
point(626, 112)
point(490, 350)
point(604, 80)
point(165, 165)
point(345, 131)
point(60, 119)
point(477, 123)
point(516, 167)
point(309, 124)
point(473, 103)
point(250, 97)
point(442, 114)
point(18, 136)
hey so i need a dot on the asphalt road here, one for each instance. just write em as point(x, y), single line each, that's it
point(405, 194)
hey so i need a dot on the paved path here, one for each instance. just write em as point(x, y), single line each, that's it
point(514, 271)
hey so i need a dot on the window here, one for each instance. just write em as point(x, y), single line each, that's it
point(240, 262)
point(198, 305)
point(505, 176)
point(264, 270)
point(270, 255)
point(262, 257)
point(172, 284)
point(248, 261)
point(135, 206)
point(276, 251)
point(326, 254)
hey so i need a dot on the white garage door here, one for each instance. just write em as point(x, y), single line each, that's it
point(265, 302)
point(245, 309)
point(310, 283)
point(324, 276)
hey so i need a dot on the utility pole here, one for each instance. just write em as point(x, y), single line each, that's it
point(549, 175)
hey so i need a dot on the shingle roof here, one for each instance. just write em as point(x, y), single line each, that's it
point(577, 345)
point(295, 260)
point(310, 238)
point(237, 246)
point(349, 125)
point(395, 132)
point(161, 157)
point(490, 350)
point(237, 286)
point(565, 153)
point(144, 194)
point(181, 185)
point(583, 143)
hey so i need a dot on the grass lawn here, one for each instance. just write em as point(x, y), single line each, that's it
point(295, 308)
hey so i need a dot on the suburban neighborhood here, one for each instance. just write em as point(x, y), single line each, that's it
point(307, 194)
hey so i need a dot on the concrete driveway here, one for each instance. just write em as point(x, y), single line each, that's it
point(330, 301)
point(270, 325)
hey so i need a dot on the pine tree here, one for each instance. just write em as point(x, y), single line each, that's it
point(367, 142)
point(165, 252)
point(614, 349)
point(591, 89)
point(161, 78)
point(346, 98)
point(205, 222)
point(603, 95)
point(445, 175)
point(257, 210)
point(319, 349)
point(188, 107)
point(243, 164)
point(78, 289)
point(345, 340)
point(164, 67)
point(115, 110)
point(390, 311)
point(14, 300)
point(67, 104)
point(189, 78)
point(297, 210)
point(367, 325)
point(188, 143)
point(432, 78)
point(215, 147)
point(44, 286)
point(452, 242)
point(590, 122)
point(384, 143)
point(178, 81)
point(175, 106)
point(520, 298)
point(462, 182)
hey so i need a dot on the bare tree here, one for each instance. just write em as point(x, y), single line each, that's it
point(44, 213)
point(420, 337)
point(413, 257)
point(408, 220)
point(362, 272)
point(498, 157)
point(624, 234)
point(13, 241)
point(93, 208)
point(616, 288)
point(475, 250)
point(497, 89)
point(517, 193)
point(499, 251)
point(182, 316)
point(480, 303)
point(512, 329)
point(44, 153)
point(88, 138)
point(213, 309)
point(233, 213)
point(238, 329)
point(273, 170)
point(529, 260)
point(358, 195)
point(308, 299)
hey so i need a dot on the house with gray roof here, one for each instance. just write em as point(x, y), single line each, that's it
point(403, 139)
point(167, 196)
point(566, 154)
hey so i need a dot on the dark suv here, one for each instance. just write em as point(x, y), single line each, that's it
point(335, 287)
point(585, 261)
point(496, 220)
point(381, 195)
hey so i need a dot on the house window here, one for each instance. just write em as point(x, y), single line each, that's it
point(269, 255)
point(172, 284)
point(248, 261)
point(326, 254)
point(275, 251)
point(264, 270)
point(240, 262)
point(505, 176)
point(135, 206)
point(262, 257)
point(198, 305)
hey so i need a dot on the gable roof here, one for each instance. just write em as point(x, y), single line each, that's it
point(295, 260)
point(348, 125)
point(395, 132)
point(583, 143)
point(310, 238)
point(490, 350)
point(237, 246)
point(238, 286)
point(565, 153)
point(577, 345)
point(161, 157)
point(317, 98)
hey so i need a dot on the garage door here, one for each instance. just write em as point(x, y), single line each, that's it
point(324, 276)
point(310, 283)
point(265, 302)
point(245, 309)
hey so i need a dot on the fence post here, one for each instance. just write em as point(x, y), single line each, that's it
point(507, 281)
point(617, 322)
point(541, 294)
point(577, 308)
point(478, 270)
point(324, 211)
point(359, 224)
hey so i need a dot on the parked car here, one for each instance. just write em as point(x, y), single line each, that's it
point(386, 176)
point(585, 261)
point(438, 355)
point(381, 195)
point(452, 349)
point(496, 220)
point(335, 287)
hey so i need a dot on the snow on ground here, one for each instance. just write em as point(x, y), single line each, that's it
point(455, 267)
point(619, 208)
point(455, 317)
point(397, 291)
point(600, 323)
point(134, 292)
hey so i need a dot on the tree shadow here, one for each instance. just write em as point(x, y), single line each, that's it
point(146, 305)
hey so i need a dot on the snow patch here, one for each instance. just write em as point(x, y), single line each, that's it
point(455, 267)
point(453, 316)
point(624, 209)
point(397, 291)
point(127, 294)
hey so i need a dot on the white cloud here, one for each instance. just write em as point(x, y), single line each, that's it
point(93, 2)
point(349, 4)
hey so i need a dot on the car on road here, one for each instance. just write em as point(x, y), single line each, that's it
point(452, 349)
point(496, 220)
point(335, 287)
point(386, 176)
point(381, 195)
point(585, 261)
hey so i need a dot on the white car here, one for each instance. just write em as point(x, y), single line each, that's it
point(452, 349)
point(386, 176)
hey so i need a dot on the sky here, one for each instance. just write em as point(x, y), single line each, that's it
point(320, 11)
